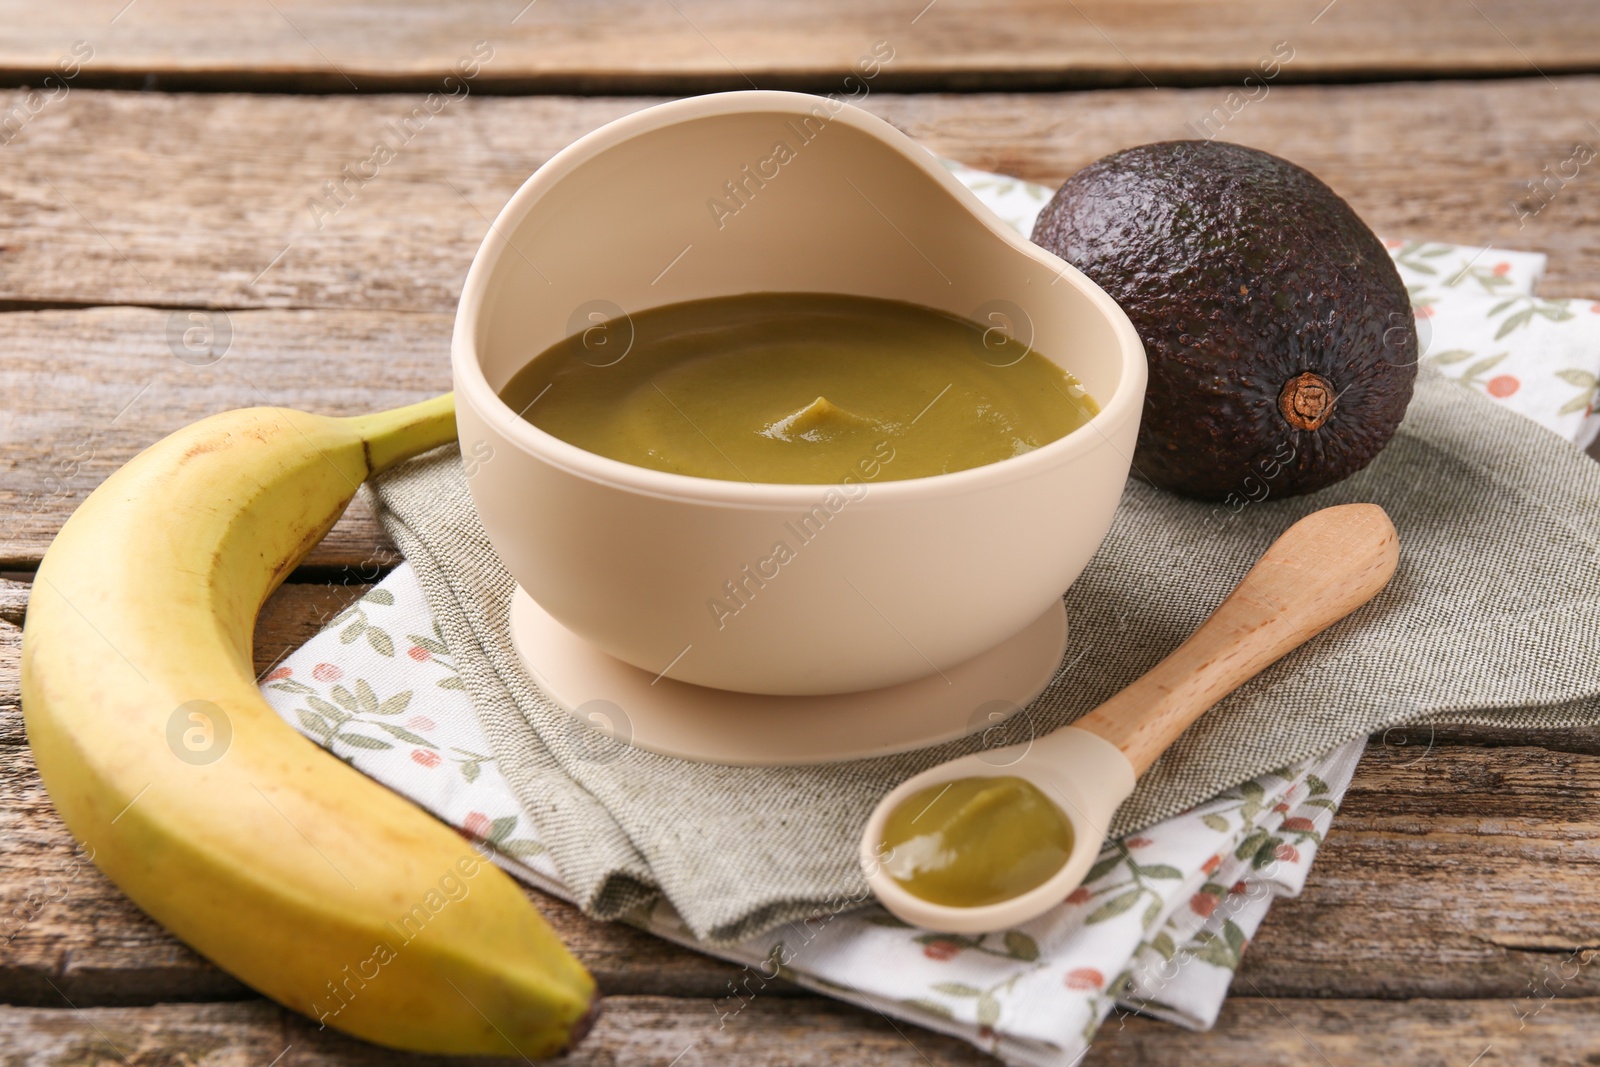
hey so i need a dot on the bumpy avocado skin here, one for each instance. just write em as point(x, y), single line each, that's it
point(1242, 272)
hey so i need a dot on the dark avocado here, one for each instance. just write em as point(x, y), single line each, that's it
point(1281, 341)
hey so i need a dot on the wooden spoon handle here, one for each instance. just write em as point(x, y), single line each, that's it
point(1321, 569)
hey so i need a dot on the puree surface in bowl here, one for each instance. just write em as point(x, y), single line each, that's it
point(798, 387)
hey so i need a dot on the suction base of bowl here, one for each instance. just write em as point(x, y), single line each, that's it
point(614, 703)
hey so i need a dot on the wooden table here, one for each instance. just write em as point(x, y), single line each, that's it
point(170, 169)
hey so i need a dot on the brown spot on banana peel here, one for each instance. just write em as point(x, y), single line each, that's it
point(285, 564)
point(213, 443)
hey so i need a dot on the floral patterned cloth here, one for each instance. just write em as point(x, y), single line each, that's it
point(1164, 916)
point(1482, 325)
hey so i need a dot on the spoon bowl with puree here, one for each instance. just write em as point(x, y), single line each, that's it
point(999, 837)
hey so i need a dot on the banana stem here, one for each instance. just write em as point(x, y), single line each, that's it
point(398, 434)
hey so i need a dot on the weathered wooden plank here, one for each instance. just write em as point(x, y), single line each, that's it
point(222, 198)
point(10, 686)
point(205, 194)
point(706, 45)
point(1420, 741)
point(67, 931)
point(1427, 887)
point(13, 600)
point(296, 613)
point(1258, 1031)
point(631, 1030)
point(290, 618)
point(86, 390)
point(1453, 871)
point(1460, 869)
point(662, 1032)
point(207, 201)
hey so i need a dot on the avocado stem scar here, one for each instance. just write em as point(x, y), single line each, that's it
point(1306, 401)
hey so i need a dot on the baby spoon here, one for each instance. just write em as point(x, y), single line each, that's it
point(1321, 569)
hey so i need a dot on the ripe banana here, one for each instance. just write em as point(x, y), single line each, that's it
point(281, 864)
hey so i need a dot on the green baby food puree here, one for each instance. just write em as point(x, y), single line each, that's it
point(975, 841)
point(798, 387)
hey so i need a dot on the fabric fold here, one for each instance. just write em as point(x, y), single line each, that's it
point(1498, 581)
point(1498, 523)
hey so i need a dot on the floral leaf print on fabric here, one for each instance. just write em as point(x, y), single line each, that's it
point(1014, 945)
point(1526, 308)
point(1474, 373)
point(433, 650)
point(1020, 946)
point(332, 721)
point(424, 649)
point(1500, 386)
point(1421, 303)
point(1051, 982)
point(356, 625)
point(1124, 894)
point(1249, 800)
point(470, 763)
point(1490, 332)
point(1588, 390)
point(1225, 950)
point(498, 832)
point(1416, 256)
point(987, 1005)
point(1491, 280)
point(932, 1007)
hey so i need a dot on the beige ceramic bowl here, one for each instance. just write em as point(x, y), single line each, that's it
point(888, 580)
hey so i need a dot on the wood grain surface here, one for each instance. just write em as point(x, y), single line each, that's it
point(1451, 913)
point(206, 201)
point(1486, 894)
point(1460, 868)
point(189, 206)
point(646, 1031)
point(638, 46)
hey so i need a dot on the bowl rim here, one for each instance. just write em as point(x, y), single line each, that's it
point(472, 386)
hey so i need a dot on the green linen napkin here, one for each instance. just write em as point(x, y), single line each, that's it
point(1488, 620)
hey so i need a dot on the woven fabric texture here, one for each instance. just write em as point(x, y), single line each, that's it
point(1498, 586)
